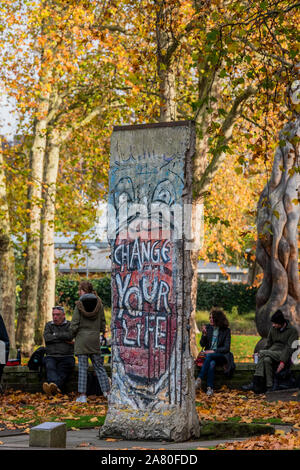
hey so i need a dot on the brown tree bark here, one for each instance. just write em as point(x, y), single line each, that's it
point(7, 264)
point(46, 287)
point(28, 302)
point(277, 227)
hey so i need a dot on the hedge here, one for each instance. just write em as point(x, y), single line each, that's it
point(227, 295)
point(67, 290)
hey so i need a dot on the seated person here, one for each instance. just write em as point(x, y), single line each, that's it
point(215, 340)
point(5, 339)
point(278, 352)
point(59, 360)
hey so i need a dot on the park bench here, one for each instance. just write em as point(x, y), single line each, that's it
point(17, 377)
point(21, 378)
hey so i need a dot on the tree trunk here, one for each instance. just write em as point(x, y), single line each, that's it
point(194, 289)
point(165, 68)
point(168, 106)
point(28, 303)
point(46, 290)
point(7, 264)
point(277, 226)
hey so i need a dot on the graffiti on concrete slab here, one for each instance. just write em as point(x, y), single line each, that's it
point(145, 188)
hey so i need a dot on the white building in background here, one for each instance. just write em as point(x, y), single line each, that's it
point(95, 259)
point(214, 272)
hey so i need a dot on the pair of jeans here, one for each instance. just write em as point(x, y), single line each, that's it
point(208, 368)
point(58, 369)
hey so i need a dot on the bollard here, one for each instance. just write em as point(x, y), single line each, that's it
point(48, 435)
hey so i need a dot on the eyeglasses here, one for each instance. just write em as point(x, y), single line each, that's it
point(58, 307)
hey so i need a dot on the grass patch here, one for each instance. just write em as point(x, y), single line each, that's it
point(242, 347)
point(84, 422)
point(268, 421)
point(234, 419)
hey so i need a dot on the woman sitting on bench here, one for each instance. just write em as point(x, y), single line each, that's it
point(216, 339)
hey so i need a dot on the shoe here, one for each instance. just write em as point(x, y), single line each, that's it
point(198, 383)
point(81, 399)
point(248, 388)
point(46, 388)
point(259, 385)
point(209, 392)
point(54, 388)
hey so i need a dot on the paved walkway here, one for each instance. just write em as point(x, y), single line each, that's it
point(86, 439)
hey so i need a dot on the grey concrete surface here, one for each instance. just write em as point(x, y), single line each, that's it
point(87, 438)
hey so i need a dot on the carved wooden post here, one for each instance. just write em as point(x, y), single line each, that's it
point(277, 226)
point(150, 199)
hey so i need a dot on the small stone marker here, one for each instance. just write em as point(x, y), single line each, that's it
point(48, 435)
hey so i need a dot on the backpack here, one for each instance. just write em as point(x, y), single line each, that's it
point(36, 360)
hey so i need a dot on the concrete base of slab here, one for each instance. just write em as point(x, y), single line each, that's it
point(52, 435)
point(170, 424)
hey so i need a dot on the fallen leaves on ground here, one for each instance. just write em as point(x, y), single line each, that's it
point(18, 409)
point(245, 407)
point(84, 444)
point(282, 441)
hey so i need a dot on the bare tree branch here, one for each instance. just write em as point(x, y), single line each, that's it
point(223, 138)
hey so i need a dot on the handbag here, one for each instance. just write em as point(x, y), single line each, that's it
point(200, 359)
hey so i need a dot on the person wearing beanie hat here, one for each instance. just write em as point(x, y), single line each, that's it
point(278, 318)
point(277, 353)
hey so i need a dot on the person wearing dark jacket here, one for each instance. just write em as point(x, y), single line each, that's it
point(277, 352)
point(5, 339)
point(59, 360)
point(87, 324)
point(215, 339)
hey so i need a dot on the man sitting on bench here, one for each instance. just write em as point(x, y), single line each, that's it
point(278, 351)
point(59, 361)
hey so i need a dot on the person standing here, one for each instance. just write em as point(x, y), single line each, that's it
point(5, 347)
point(59, 360)
point(87, 324)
